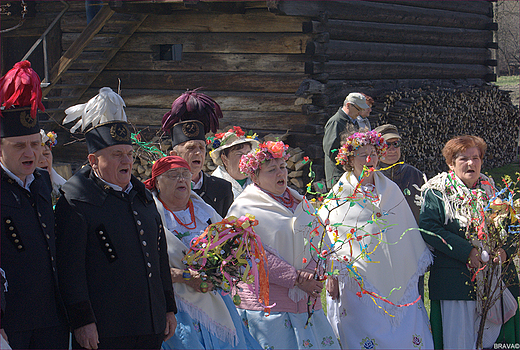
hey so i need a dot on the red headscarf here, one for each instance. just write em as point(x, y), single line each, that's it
point(162, 165)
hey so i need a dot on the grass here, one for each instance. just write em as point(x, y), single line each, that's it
point(509, 169)
point(508, 80)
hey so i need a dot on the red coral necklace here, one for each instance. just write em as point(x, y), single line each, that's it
point(189, 226)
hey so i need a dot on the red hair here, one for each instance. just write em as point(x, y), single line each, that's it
point(459, 144)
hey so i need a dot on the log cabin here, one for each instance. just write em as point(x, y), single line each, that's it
point(274, 66)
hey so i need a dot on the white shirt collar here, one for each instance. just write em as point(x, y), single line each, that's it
point(116, 187)
point(198, 185)
point(28, 179)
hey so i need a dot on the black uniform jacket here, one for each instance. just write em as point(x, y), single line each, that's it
point(216, 192)
point(112, 258)
point(29, 255)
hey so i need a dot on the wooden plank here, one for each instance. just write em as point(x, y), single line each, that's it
point(57, 6)
point(84, 38)
point(281, 121)
point(209, 62)
point(272, 43)
point(77, 21)
point(251, 21)
point(226, 81)
point(384, 13)
point(339, 50)
point(481, 7)
point(401, 33)
point(228, 100)
point(396, 70)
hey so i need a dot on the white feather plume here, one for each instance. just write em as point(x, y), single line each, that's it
point(105, 107)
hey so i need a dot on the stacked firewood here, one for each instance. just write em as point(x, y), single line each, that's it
point(427, 118)
point(145, 156)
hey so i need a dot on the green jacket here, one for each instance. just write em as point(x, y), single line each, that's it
point(450, 279)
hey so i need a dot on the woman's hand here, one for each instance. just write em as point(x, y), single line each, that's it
point(194, 281)
point(308, 284)
point(474, 259)
point(503, 256)
point(333, 287)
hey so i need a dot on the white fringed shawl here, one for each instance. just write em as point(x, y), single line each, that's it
point(207, 308)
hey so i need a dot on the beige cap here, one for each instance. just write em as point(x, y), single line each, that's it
point(357, 99)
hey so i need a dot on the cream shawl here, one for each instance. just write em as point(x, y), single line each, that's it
point(222, 173)
point(207, 308)
point(282, 232)
point(398, 265)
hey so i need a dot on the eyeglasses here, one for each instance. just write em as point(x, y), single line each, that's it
point(396, 144)
point(185, 175)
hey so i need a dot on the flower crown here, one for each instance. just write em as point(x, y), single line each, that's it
point(264, 152)
point(50, 139)
point(221, 139)
point(360, 139)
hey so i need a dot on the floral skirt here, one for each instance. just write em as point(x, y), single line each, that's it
point(191, 334)
point(286, 330)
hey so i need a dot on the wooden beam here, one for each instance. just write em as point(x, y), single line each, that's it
point(400, 33)
point(280, 121)
point(228, 100)
point(339, 50)
point(271, 43)
point(190, 21)
point(209, 62)
point(384, 13)
point(481, 7)
point(82, 41)
point(394, 70)
point(223, 81)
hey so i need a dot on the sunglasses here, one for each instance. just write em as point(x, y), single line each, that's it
point(396, 144)
point(185, 175)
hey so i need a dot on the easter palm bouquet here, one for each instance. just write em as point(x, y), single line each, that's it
point(229, 252)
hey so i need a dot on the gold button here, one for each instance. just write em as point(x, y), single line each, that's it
point(160, 225)
point(103, 238)
point(11, 228)
point(40, 215)
point(150, 274)
point(141, 232)
point(13, 235)
point(147, 255)
point(48, 237)
point(144, 243)
point(135, 213)
point(52, 258)
point(107, 245)
point(43, 224)
point(112, 256)
point(110, 250)
point(7, 221)
point(20, 247)
point(16, 241)
point(139, 222)
point(149, 265)
point(100, 232)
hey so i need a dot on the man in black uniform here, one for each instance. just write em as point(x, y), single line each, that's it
point(194, 114)
point(34, 316)
point(112, 254)
point(191, 147)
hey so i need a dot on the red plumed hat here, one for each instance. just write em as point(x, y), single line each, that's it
point(20, 87)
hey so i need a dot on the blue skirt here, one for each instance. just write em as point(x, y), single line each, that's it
point(190, 334)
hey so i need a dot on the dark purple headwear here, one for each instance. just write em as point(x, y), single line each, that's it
point(193, 105)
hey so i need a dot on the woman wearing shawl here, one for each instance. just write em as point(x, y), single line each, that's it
point(205, 320)
point(283, 224)
point(451, 201)
point(228, 148)
point(378, 253)
point(45, 162)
